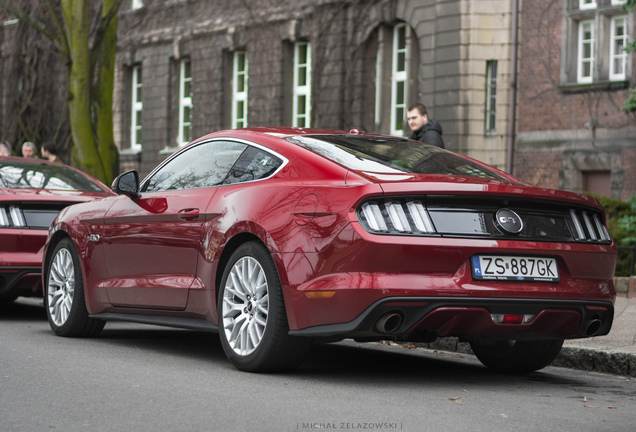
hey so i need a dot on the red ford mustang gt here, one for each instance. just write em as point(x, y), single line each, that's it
point(32, 193)
point(276, 237)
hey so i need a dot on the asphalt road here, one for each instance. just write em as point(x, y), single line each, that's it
point(144, 378)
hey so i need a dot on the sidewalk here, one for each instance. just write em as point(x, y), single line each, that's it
point(614, 353)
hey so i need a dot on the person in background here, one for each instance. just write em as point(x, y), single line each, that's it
point(29, 150)
point(49, 151)
point(424, 129)
point(5, 149)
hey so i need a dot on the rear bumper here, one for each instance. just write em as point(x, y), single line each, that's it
point(425, 318)
point(20, 281)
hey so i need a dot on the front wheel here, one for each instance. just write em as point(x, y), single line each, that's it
point(64, 294)
point(511, 356)
point(252, 320)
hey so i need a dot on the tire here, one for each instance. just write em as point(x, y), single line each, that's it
point(253, 325)
point(518, 356)
point(64, 295)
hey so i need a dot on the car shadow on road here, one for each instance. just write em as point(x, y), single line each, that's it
point(23, 309)
point(353, 361)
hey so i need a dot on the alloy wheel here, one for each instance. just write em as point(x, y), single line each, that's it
point(61, 287)
point(245, 306)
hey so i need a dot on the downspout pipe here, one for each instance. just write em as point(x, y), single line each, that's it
point(512, 107)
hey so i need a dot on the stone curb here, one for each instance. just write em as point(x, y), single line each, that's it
point(586, 359)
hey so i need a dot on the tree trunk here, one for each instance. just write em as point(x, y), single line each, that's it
point(103, 95)
point(76, 25)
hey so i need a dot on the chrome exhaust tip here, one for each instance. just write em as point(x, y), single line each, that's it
point(389, 323)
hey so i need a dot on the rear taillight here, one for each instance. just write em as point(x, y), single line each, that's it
point(11, 216)
point(395, 216)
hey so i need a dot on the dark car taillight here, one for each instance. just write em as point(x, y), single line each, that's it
point(589, 226)
point(29, 215)
point(395, 216)
point(11, 216)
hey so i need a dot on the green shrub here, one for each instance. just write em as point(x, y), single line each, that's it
point(621, 221)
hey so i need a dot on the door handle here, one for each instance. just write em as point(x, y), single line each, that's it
point(188, 215)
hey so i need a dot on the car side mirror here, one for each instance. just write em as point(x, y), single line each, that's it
point(127, 184)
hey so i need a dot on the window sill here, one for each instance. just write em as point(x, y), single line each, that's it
point(596, 86)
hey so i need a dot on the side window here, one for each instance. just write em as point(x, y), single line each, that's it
point(254, 164)
point(202, 165)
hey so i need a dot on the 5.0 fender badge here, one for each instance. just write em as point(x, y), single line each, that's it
point(508, 221)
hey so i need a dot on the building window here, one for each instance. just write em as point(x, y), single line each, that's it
point(137, 107)
point(137, 4)
point(399, 79)
point(185, 103)
point(618, 56)
point(491, 96)
point(301, 114)
point(239, 90)
point(587, 4)
point(585, 68)
point(596, 36)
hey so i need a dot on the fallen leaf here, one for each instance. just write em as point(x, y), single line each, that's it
point(611, 407)
point(591, 406)
point(584, 398)
point(458, 402)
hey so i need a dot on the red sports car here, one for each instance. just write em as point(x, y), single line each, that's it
point(32, 193)
point(277, 237)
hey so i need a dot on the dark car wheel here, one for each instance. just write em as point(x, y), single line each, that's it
point(252, 320)
point(64, 295)
point(518, 356)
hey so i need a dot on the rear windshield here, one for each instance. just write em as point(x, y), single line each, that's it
point(391, 155)
point(33, 175)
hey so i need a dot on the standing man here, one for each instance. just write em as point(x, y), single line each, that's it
point(29, 150)
point(425, 130)
point(49, 151)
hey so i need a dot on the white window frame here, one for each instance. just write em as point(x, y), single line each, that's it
point(618, 2)
point(580, 60)
point(300, 91)
point(399, 77)
point(185, 102)
point(622, 55)
point(379, 68)
point(136, 108)
point(239, 96)
point(137, 4)
point(587, 4)
point(491, 97)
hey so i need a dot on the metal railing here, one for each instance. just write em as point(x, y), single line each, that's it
point(633, 260)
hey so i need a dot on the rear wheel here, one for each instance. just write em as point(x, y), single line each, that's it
point(253, 324)
point(64, 295)
point(518, 356)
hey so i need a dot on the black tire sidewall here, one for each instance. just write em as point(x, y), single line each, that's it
point(276, 327)
point(78, 314)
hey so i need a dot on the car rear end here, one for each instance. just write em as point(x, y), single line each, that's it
point(460, 249)
point(32, 193)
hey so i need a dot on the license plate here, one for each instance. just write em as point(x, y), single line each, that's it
point(514, 268)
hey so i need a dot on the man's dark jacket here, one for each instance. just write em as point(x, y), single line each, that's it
point(430, 133)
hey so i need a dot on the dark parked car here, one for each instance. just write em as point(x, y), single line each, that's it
point(32, 193)
point(278, 237)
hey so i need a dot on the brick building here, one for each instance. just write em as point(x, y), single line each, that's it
point(573, 81)
point(185, 68)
